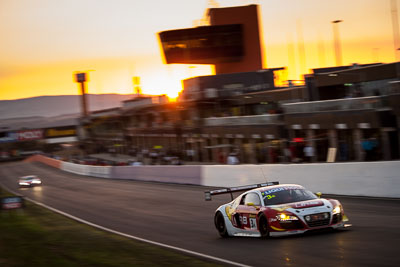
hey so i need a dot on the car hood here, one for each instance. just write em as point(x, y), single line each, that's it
point(307, 204)
point(301, 204)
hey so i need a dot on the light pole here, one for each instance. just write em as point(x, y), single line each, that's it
point(396, 33)
point(336, 42)
point(81, 79)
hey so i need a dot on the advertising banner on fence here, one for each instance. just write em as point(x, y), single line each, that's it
point(28, 135)
point(60, 132)
point(8, 203)
point(8, 137)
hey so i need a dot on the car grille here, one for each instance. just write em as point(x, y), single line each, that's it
point(319, 222)
point(291, 225)
point(336, 218)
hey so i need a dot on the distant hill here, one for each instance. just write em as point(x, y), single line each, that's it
point(50, 106)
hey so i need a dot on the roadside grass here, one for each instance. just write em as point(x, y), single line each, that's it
point(35, 236)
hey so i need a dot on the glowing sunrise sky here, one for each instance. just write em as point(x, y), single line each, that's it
point(43, 42)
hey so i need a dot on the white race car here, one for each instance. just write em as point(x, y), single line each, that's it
point(29, 181)
point(271, 209)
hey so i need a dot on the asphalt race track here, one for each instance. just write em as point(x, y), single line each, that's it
point(178, 215)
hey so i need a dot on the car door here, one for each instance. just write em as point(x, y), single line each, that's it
point(247, 210)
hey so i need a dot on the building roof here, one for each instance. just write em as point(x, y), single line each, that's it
point(16, 124)
point(360, 74)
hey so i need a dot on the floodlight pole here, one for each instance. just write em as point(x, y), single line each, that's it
point(336, 40)
point(84, 100)
point(396, 33)
point(81, 78)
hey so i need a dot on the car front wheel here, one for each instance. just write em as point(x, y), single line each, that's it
point(263, 226)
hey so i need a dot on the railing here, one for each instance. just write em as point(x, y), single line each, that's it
point(117, 132)
point(158, 125)
point(360, 103)
point(244, 120)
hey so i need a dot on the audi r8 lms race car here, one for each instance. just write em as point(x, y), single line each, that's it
point(271, 209)
point(29, 181)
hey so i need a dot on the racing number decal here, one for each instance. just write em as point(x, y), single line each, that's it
point(253, 223)
point(244, 220)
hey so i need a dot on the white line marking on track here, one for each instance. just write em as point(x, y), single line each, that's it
point(193, 253)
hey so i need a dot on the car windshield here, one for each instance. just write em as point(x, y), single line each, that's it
point(27, 178)
point(286, 195)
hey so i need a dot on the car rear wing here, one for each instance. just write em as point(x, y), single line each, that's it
point(231, 190)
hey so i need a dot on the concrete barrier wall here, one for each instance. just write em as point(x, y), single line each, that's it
point(168, 174)
point(100, 171)
point(376, 179)
point(88, 170)
point(75, 168)
point(48, 161)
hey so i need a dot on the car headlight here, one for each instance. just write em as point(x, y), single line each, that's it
point(23, 183)
point(286, 217)
point(337, 210)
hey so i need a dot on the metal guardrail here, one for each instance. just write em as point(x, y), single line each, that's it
point(360, 103)
point(244, 120)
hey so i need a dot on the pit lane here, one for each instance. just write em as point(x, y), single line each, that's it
point(177, 215)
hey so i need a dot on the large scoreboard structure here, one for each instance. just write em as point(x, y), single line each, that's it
point(231, 43)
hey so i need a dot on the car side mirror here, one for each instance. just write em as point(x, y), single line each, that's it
point(319, 194)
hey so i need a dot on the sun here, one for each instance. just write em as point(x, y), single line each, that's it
point(168, 80)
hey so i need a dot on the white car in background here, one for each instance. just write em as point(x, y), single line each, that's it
point(29, 181)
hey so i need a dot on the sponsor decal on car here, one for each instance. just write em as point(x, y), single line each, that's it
point(228, 212)
point(274, 190)
point(253, 223)
point(277, 229)
point(243, 219)
point(308, 204)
